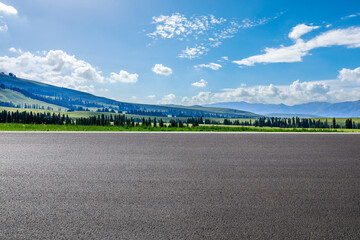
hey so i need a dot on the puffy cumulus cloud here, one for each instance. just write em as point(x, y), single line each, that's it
point(54, 67)
point(349, 37)
point(167, 99)
point(201, 83)
point(206, 31)
point(316, 91)
point(58, 68)
point(295, 93)
point(200, 98)
point(123, 77)
point(345, 88)
point(348, 75)
point(300, 30)
point(213, 66)
point(7, 9)
point(162, 70)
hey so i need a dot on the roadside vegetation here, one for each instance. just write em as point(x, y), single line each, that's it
point(46, 121)
point(201, 128)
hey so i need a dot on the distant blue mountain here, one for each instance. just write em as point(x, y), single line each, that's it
point(324, 109)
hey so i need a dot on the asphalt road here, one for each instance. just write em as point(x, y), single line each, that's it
point(179, 186)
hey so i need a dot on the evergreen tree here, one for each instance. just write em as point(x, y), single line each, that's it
point(348, 123)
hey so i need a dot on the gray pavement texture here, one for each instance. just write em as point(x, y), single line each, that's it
point(179, 186)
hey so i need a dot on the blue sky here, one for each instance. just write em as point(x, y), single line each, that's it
point(187, 52)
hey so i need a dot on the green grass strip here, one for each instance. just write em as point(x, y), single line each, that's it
point(212, 128)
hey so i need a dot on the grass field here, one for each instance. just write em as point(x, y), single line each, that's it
point(340, 121)
point(202, 128)
point(85, 114)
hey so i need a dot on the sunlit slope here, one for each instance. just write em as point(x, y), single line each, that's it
point(10, 96)
point(87, 100)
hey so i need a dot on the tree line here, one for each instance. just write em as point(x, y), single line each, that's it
point(294, 122)
point(26, 117)
point(33, 118)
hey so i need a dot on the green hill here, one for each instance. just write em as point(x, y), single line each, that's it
point(18, 99)
point(21, 91)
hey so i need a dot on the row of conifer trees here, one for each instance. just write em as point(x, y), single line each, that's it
point(26, 117)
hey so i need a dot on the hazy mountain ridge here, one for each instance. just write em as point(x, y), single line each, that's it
point(324, 109)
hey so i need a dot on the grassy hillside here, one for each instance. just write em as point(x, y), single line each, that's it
point(17, 98)
point(69, 98)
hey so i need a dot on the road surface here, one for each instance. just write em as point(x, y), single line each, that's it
point(179, 186)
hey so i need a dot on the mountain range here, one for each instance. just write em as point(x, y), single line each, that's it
point(313, 109)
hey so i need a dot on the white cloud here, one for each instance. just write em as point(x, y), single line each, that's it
point(177, 25)
point(14, 50)
point(3, 28)
point(162, 70)
point(201, 83)
point(167, 99)
point(213, 66)
point(294, 93)
point(300, 30)
point(194, 52)
point(7, 9)
point(225, 58)
point(185, 100)
point(292, 53)
point(349, 37)
point(133, 97)
point(151, 96)
point(123, 77)
point(201, 98)
point(58, 68)
point(351, 16)
point(205, 31)
point(54, 67)
point(348, 75)
point(345, 88)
